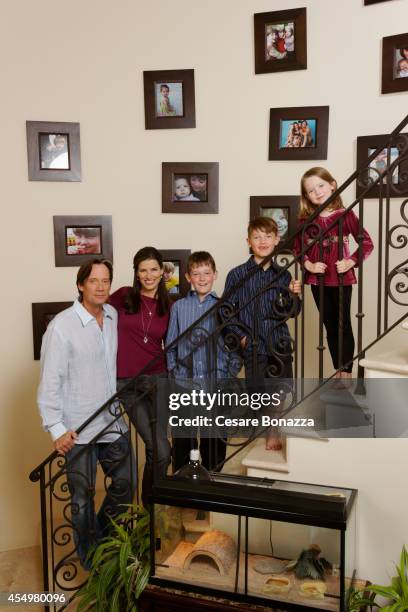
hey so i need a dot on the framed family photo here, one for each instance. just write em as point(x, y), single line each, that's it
point(53, 151)
point(169, 99)
point(394, 183)
point(298, 132)
point(395, 63)
point(280, 41)
point(43, 313)
point(190, 187)
point(175, 268)
point(76, 238)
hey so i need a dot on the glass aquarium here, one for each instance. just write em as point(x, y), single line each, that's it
point(255, 539)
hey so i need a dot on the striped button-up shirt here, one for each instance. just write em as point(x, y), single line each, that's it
point(78, 373)
point(261, 319)
point(198, 355)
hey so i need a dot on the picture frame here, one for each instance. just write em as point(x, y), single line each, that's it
point(53, 151)
point(78, 238)
point(283, 209)
point(367, 2)
point(169, 99)
point(394, 71)
point(366, 145)
point(280, 41)
point(190, 187)
point(298, 132)
point(178, 258)
point(42, 314)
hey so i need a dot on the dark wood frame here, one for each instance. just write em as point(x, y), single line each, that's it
point(389, 84)
point(299, 60)
point(373, 142)
point(319, 113)
point(150, 77)
point(39, 312)
point(180, 256)
point(291, 202)
point(169, 169)
point(61, 222)
point(367, 2)
point(35, 172)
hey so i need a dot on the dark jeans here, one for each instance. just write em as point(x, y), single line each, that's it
point(258, 377)
point(259, 372)
point(140, 412)
point(118, 463)
point(331, 297)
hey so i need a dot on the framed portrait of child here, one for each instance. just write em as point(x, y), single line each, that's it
point(169, 99)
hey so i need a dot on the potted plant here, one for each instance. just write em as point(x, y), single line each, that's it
point(396, 593)
point(120, 565)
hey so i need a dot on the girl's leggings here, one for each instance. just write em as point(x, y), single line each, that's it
point(331, 296)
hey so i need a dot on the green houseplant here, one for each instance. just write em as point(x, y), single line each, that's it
point(120, 566)
point(396, 593)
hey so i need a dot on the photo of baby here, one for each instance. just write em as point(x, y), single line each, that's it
point(191, 187)
point(171, 275)
point(169, 99)
point(281, 218)
point(379, 164)
point(297, 133)
point(54, 151)
point(83, 240)
point(279, 40)
point(401, 63)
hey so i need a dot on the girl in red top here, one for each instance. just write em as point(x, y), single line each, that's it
point(143, 318)
point(317, 185)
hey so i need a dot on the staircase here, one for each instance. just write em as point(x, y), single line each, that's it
point(376, 316)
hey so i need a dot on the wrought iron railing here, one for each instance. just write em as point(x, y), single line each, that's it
point(219, 329)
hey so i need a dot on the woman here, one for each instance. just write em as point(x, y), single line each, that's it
point(143, 317)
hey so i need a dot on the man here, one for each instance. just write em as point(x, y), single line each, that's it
point(78, 375)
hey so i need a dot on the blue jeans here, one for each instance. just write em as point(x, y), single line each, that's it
point(140, 412)
point(118, 463)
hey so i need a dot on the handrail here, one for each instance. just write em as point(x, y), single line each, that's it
point(281, 251)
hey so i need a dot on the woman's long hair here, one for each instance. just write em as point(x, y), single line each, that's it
point(133, 299)
point(306, 207)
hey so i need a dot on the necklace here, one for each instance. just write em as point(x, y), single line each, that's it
point(149, 322)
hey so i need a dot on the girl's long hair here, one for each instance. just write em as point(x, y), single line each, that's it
point(133, 300)
point(306, 208)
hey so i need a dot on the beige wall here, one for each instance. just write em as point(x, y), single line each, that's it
point(83, 61)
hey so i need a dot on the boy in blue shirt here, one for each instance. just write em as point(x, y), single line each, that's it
point(260, 320)
point(194, 357)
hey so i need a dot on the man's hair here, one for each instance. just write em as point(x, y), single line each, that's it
point(86, 269)
point(88, 232)
point(264, 224)
point(200, 258)
point(164, 85)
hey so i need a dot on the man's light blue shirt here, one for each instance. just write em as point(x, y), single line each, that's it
point(78, 373)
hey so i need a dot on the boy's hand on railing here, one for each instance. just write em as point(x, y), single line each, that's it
point(64, 443)
point(295, 286)
point(344, 265)
point(316, 268)
point(243, 342)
